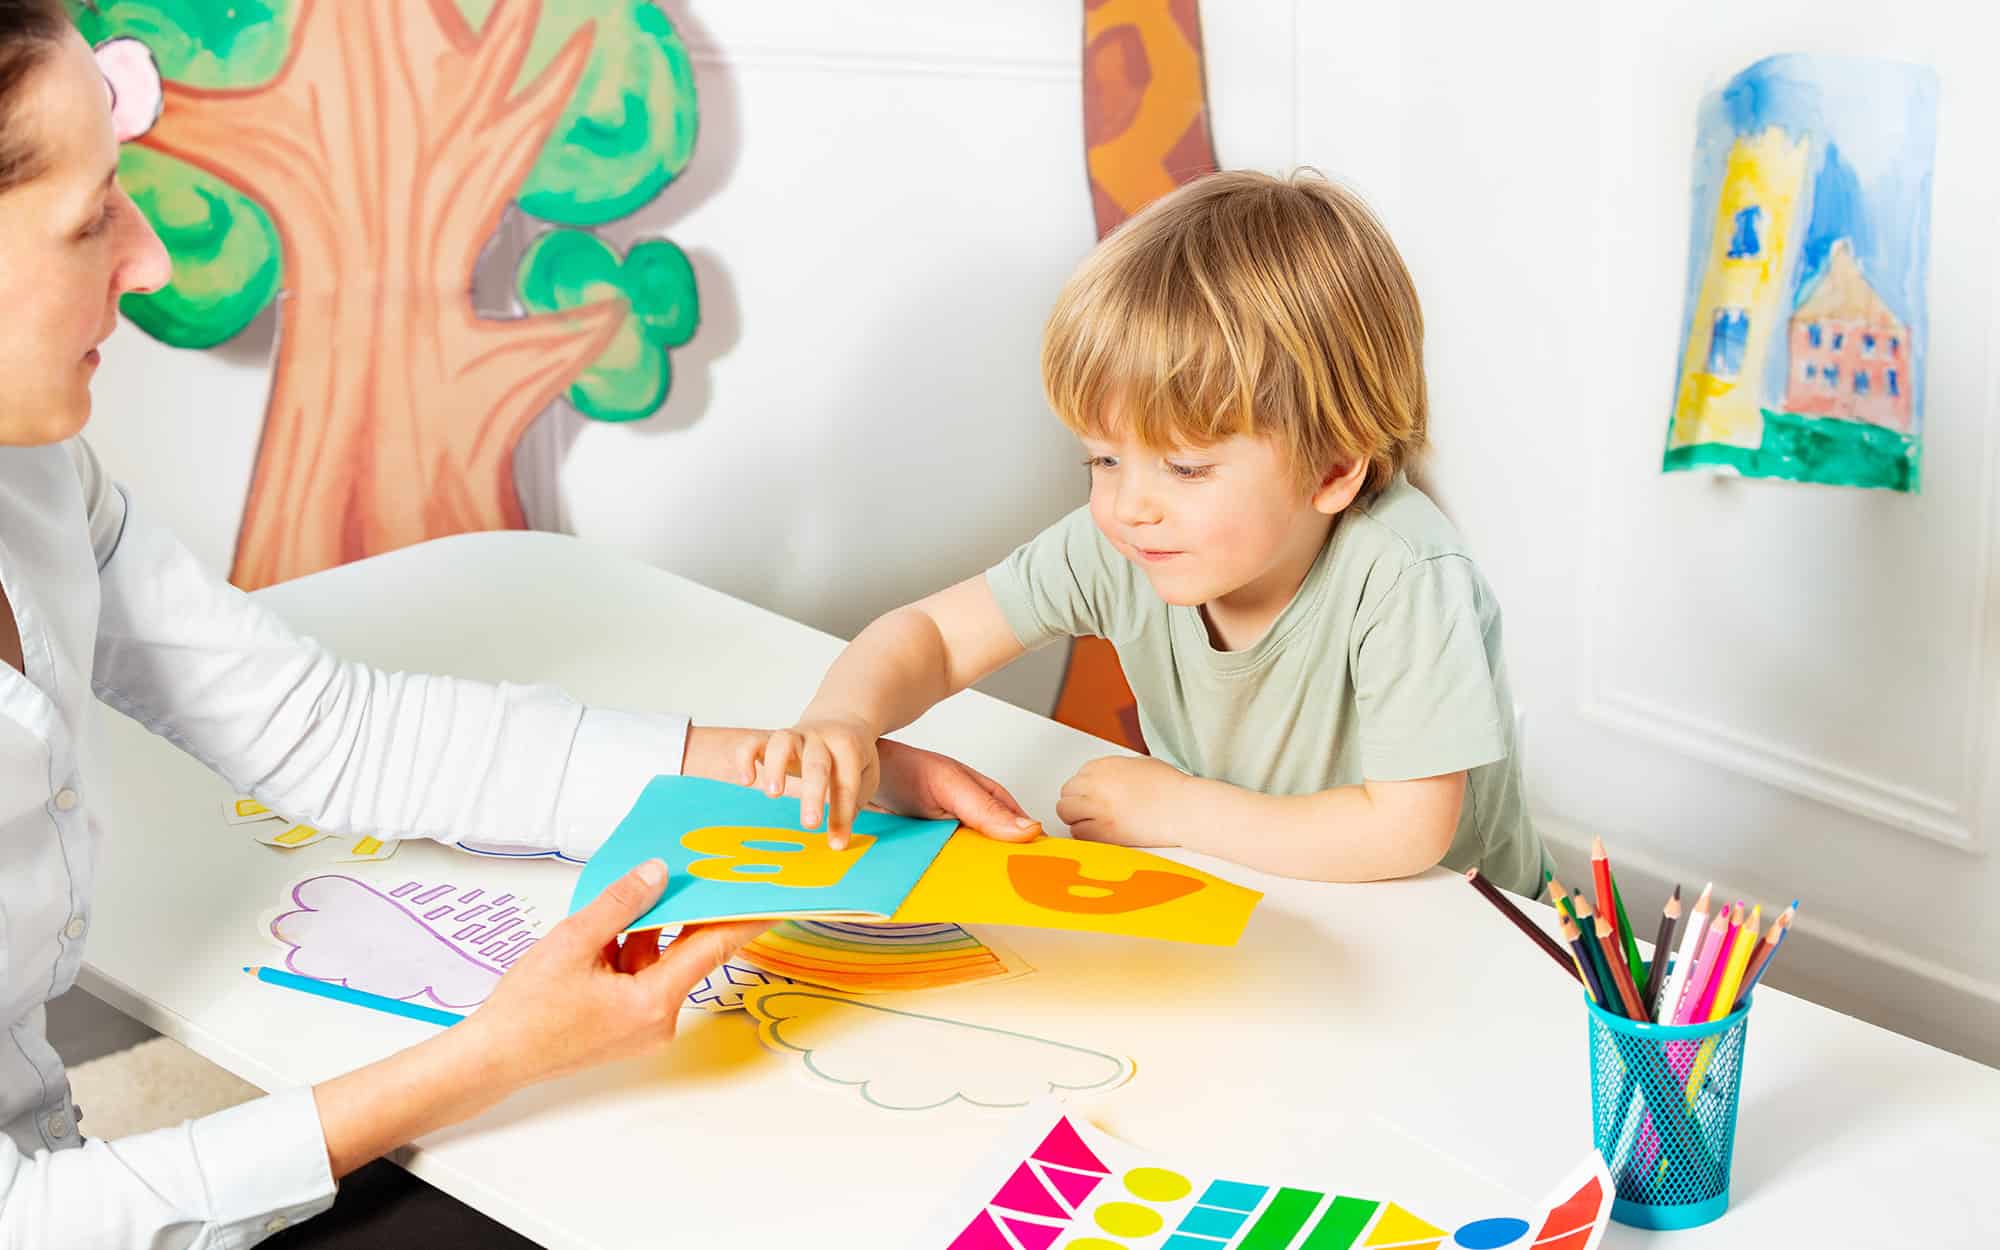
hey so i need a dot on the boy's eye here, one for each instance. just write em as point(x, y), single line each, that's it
point(1190, 472)
point(100, 222)
point(1101, 462)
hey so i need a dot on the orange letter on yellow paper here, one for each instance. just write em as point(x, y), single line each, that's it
point(1058, 883)
point(771, 856)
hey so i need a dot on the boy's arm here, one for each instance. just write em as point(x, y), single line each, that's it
point(1368, 832)
point(891, 674)
point(916, 656)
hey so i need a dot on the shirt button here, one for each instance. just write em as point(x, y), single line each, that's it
point(276, 1224)
point(58, 1125)
point(65, 799)
point(75, 928)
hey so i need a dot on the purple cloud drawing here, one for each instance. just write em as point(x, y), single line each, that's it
point(431, 943)
point(437, 944)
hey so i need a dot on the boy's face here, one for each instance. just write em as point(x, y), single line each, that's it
point(1208, 523)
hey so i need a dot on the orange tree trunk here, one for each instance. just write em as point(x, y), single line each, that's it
point(385, 152)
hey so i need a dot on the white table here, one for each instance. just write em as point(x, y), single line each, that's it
point(1343, 1008)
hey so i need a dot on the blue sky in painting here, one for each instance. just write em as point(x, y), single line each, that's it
point(1874, 129)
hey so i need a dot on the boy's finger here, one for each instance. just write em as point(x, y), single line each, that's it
point(845, 796)
point(814, 778)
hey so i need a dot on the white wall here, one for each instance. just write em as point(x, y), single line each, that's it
point(1790, 690)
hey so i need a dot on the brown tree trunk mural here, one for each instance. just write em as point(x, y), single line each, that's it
point(385, 152)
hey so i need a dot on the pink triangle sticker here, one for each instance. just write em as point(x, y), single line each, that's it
point(981, 1234)
point(1032, 1236)
point(1074, 1187)
point(1024, 1192)
point(1066, 1149)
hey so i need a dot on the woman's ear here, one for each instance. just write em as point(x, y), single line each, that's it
point(1339, 487)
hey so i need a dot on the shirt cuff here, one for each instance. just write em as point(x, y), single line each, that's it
point(612, 757)
point(265, 1166)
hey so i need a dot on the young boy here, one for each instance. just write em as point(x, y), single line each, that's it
point(1316, 659)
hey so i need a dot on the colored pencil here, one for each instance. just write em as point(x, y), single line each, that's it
point(1712, 981)
point(1762, 960)
point(1626, 940)
point(1492, 895)
point(1663, 951)
point(1619, 973)
point(1600, 876)
point(1560, 897)
point(1691, 935)
point(358, 998)
point(1586, 923)
point(1739, 959)
point(1698, 975)
point(1584, 971)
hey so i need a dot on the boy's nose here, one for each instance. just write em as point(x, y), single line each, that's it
point(1136, 503)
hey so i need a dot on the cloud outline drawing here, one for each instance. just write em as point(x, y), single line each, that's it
point(861, 1061)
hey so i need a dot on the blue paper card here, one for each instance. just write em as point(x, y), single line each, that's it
point(735, 853)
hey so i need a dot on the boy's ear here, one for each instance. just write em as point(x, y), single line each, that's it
point(1339, 487)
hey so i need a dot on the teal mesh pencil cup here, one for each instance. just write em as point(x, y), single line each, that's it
point(1663, 1108)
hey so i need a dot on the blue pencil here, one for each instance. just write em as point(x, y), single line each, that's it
point(360, 998)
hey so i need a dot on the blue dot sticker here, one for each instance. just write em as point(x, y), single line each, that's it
point(1489, 1234)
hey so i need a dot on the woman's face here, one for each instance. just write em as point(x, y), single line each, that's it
point(71, 243)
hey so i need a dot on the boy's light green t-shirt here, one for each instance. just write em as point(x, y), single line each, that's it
point(1385, 666)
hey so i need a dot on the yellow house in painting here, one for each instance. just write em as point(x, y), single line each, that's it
point(1744, 298)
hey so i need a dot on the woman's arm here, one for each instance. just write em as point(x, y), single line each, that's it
point(233, 1178)
point(341, 744)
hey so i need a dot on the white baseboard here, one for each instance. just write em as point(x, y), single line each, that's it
point(1828, 963)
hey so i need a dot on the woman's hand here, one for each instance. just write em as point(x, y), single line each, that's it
point(576, 998)
point(579, 997)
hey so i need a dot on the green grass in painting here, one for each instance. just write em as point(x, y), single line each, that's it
point(1814, 449)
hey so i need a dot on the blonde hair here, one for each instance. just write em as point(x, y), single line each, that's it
point(1246, 304)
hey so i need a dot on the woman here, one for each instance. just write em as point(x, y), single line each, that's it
point(95, 597)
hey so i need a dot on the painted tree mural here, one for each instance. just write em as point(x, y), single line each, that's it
point(1145, 132)
point(352, 159)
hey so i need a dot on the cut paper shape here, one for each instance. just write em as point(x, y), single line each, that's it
point(290, 837)
point(1804, 342)
point(1201, 1208)
point(1024, 1192)
point(734, 852)
point(685, 821)
point(976, 880)
point(436, 945)
point(244, 810)
point(1032, 1236)
point(496, 851)
point(366, 850)
point(1282, 1218)
point(1490, 1234)
point(873, 958)
point(901, 1061)
point(1397, 1226)
point(982, 1234)
point(1071, 1187)
point(723, 989)
point(1065, 1147)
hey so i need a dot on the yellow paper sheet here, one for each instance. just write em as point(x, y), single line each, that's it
point(1061, 883)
